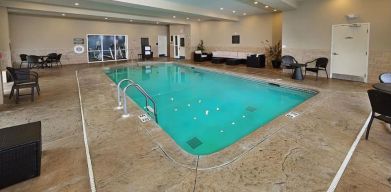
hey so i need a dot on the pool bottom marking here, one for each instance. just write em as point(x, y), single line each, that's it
point(194, 142)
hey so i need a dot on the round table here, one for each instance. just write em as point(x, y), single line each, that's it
point(385, 87)
point(298, 73)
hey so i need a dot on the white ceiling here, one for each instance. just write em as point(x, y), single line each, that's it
point(162, 11)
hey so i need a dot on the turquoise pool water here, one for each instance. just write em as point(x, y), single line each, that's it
point(204, 111)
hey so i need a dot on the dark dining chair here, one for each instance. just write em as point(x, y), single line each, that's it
point(58, 59)
point(287, 61)
point(381, 107)
point(23, 78)
point(320, 65)
point(51, 58)
point(23, 59)
point(385, 78)
point(35, 61)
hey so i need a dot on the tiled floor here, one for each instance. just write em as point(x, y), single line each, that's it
point(300, 155)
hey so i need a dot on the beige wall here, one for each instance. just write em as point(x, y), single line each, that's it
point(5, 59)
point(183, 31)
point(307, 30)
point(42, 35)
point(277, 27)
point(217, 35)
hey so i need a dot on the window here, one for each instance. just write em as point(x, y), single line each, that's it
point(107, 47)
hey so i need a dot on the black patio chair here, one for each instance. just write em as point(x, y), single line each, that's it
point(51, 58)
point(381, 107)
point(58, 59)
point(320, 65)
point(35, 62)
point(23, 78)
point(23, 59)
point(287, 61)
point(385, 78)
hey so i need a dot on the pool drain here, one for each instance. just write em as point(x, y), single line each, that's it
point(292, 115)
point(194, 142)
point(251, 109)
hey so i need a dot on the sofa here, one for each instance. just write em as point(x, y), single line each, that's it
point(256, 61)
point(200, 57)
point(230, 57)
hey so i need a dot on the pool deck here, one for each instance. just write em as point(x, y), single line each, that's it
point(301, 154)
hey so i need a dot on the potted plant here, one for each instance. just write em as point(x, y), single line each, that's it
point(200, 46)
point(274, 52)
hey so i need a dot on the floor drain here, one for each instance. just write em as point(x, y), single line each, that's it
point(251, 109)
point(194, 142)
point(144, 118)
point(292, 115)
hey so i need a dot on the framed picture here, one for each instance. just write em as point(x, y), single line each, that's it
point(235, 39)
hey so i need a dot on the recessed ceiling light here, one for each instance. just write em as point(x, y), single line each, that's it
point(157, 22)
point(266, 6)
point(274, 10)
point(244, 14)
point(131, 20)
point(221, 8)
point(106, 18)
point(63, 14)
point(234, 11)
point(174, 16)
point(255, 2)
point(76, 4)
point(187, 18)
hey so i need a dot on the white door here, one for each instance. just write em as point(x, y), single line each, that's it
point(162, 45)
point(349, 51)
point(176, 46)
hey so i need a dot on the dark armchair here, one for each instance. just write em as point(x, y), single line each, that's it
point(200, 57)
point(385, 78)
point(51, 58)
point(320, 65)
point(287, 61)
point(23, 78)
point(381, 107)
point(254, 61)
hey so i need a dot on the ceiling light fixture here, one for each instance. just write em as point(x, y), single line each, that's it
point(199, 19)
point(76, 4)
point(63, 14)
point(256, 2)
point(274, 10)
point(174, 16)
point(157, 22)
point(106, 18)
point(233, 11)
point(266, 6)
point(221, 9)
point(131, 20)
point(187, 18)
point(244, 14)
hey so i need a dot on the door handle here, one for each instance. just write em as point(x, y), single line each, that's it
point(335, 54)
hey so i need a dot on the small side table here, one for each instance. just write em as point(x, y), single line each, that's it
point(298, 73)
point(20, 153)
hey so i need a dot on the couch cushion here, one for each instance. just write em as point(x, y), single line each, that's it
point(198, 52)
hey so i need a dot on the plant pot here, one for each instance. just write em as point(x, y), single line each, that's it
point(276, 64)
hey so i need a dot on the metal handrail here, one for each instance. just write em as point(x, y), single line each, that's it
point(119, 91)
point(147, 97)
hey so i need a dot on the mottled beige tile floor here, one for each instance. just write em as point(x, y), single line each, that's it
point(303, 155)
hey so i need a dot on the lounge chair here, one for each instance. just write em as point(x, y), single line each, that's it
point(381, 107)
point(256, 62)
point(199, 56)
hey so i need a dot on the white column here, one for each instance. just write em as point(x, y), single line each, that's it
point(5, 57)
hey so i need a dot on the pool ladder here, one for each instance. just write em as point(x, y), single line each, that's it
point(123, 105)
